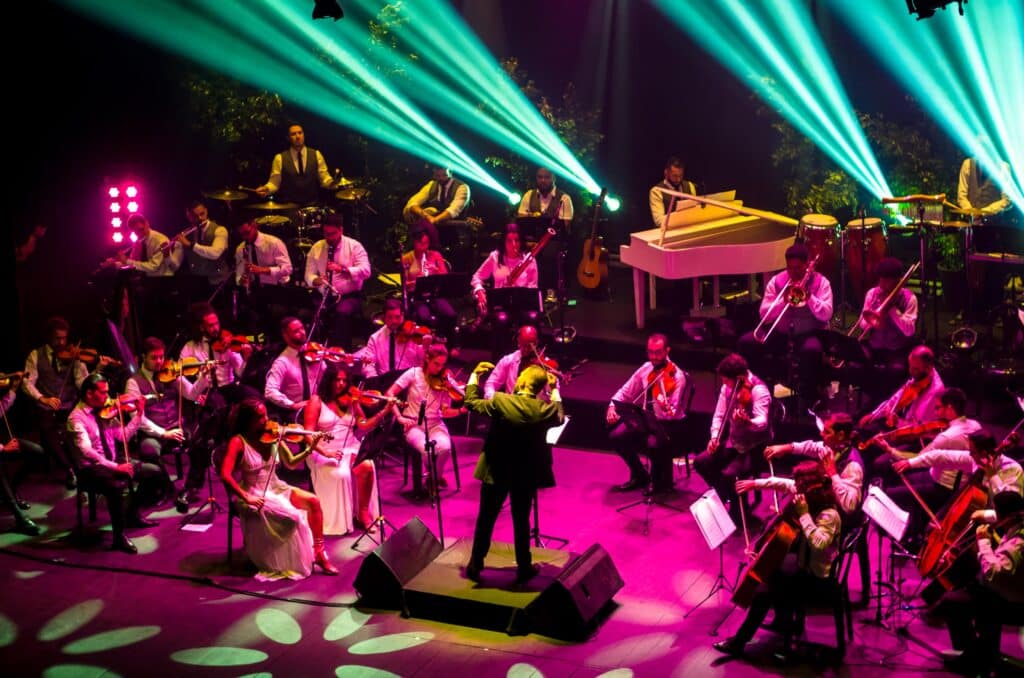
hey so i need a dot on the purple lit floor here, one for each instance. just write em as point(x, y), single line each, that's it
point(66, 611)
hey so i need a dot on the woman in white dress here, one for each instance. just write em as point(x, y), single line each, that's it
point(343, 488)
point(282, 525)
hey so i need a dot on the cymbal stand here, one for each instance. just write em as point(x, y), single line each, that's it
point(565, 334)
point(434, 490)
point(539, 538)
point(928, 296)
point(359, 204)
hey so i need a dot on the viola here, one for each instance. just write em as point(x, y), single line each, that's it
point(186, 367)
point(910, 393)
point(662, 383)
point(410, 331)
point(364, 398)
point(230, 342)
point(446, 382)
point(275, 432)
point(88, 356)
point(123, 404)
point(11, 380)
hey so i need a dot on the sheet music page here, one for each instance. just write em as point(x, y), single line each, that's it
point(712, 518)
point(555, 432)
point(886, 513)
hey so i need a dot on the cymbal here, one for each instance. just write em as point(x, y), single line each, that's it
point(272, 220)
point(345, 182)
point(969, 211)
point(224, 194)
point(271, 206)
point(955, 225)
point(352, 193)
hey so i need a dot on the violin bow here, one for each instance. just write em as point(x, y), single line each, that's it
point(934, 520)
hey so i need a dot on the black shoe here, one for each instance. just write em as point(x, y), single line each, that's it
point(473, 572)
point(28, 527)
point(181, 502)
point(730, 646)
point(139, 521)
point(71, 481)
point(634, 483)
point(525, 574)
point(123, 543)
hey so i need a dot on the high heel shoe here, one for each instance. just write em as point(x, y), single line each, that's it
point(320, 558)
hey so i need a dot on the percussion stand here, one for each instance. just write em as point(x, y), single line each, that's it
point(565, 334)
point(927, 242)
point(324, 296)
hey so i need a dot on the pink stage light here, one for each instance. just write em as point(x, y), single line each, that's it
point(131, 191)
point(113, 192)
point(115, 207)
point(133, 237)
point(118, 236)
point(133, 207)
point(116, 222)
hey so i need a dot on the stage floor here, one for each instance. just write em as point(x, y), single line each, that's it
point(177, 607)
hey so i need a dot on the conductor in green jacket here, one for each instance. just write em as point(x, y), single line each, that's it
point(515, 462)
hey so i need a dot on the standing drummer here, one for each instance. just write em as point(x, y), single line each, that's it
point(298, 173)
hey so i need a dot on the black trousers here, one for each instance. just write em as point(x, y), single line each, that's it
point(788, 590)
point(8, 484)
point(721, 470)
point(342, 319)
point(808, 357)
point(52, 424)
point(492, 497)
point(974, 616)
point(112, 485)
point(628, 442)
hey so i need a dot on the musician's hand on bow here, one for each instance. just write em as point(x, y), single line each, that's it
point(481, 300)
point(800, 502)
point(611, 416)
point(245, 351)
point(140, 405)
point(864, 421)
point(104, 361)
point(774, 451)
point(711, 448)
point(318, 281)
point(983, 532)
point(901, 466)
point(744, 486)
point(828, 461)
point(175, 434)
point(253, 501)
point(126, 469)
point(740, 414)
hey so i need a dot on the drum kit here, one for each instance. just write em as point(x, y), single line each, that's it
point(299, 226)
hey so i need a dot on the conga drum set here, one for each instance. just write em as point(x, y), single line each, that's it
point(845, 253)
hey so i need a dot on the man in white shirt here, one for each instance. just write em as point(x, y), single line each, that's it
point(506, 372)
point(387, 350)
point(672, 181)
point(298, 173)
point(147, 254)
point(292, 379)
point(261, 258)
point(976, 189)
point(441, 199)
point(338, 266)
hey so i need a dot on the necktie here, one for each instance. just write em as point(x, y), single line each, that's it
point(391, 351)
point(305, 378)
point(298, 160)
point(54, 361)
point(213, 372)
point(255, 261)
point(331, 250)
point(103, 435)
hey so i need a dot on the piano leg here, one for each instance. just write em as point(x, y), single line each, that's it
point(638, 296)
point(695, 308)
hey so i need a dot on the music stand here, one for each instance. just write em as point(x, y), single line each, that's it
point(517, 299)
point(533, 227)
point(443, 286)
point(638, 420)
point(716, 526)
point(890, 521)
point(370, 449)
point(551, 438)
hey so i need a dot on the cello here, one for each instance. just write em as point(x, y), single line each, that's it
point(770, 550)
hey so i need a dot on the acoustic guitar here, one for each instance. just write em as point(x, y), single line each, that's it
point(593, 269)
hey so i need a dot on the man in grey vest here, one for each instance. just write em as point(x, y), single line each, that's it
point(672, 181)
point(546, 201)
point(205, 249)
point(298, 173)
point(441, 199)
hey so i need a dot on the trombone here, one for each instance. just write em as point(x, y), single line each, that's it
point(793, 294)
point(873, 317)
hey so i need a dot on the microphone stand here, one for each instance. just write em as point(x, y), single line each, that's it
point(433, 490)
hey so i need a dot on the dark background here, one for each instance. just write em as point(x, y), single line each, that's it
point(85, 102)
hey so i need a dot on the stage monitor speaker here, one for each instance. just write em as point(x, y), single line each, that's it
point(391, 565)
point(568, 607)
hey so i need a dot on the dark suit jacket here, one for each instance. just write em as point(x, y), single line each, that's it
point(515, 454)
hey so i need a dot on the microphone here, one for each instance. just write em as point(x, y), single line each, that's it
point(423, 413)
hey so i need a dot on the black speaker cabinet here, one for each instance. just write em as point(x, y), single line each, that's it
point(567, 608)
point(392, 564)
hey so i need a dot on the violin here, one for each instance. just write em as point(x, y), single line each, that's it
point(186, 367)
point(410, 331)
point(662, 383)
point(275, 432)
point(364, 398)
point(740, 399)
point(230, 342)
point(11, 380)
point(905, 433)
point(446, 382)
point(123, 404)
point(910, 393)
point(315, 353)
point(87, 356)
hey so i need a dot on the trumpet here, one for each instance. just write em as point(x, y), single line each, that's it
point(793, 294)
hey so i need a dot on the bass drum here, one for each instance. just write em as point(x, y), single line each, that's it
point(866, 245)
point(820, 233)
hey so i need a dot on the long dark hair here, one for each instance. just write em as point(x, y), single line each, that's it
point(815, 485)
point(509, 228)
point(326, 389)
point(243, 415)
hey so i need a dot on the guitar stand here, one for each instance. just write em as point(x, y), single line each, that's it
point(539, 538)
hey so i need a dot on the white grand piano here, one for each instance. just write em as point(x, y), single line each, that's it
point(707, 236)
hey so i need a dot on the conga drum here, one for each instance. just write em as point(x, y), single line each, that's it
point(821, 236)
point(866, 245)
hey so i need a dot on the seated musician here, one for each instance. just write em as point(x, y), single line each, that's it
point(423, 260)
point(673, 180)
point(951, 429)
point(100, 444)
point(912, 403)
point(975, 614)
point(206, 250)
point(338, 265)
point(428, 403)
point(283, 526)
point(892, 330)
point(807, 306)
point(545, 201)
point(293, 376)
point(147, 254)
point(997, 472)
point(803, 577)
point(441, 199)
point(657, 388)
point(506, 372)
point(13, 448)
point(498, 265)
point(298, 173)
point(741, 454)
point(389, 349)
point(261, 261)
point(977, 190)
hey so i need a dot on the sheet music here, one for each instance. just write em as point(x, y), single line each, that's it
point(555, 432)
point(885, 513)
point(712, 518)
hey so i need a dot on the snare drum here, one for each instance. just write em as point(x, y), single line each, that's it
point(866, 245)
point(821, 235)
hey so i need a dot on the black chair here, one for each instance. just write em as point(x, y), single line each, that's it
point(680, 437)
point(216, 460)
point(84, 491)
point(837, 594)
point(412, 457)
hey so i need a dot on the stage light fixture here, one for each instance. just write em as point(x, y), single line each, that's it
point(926, 8)
point(115, 207)
point(131, 191)
point(113, 192)
point(133, 237)
point(133, 207)
point(613, 203)
point(116, 222)
point(327, 9)
point(118, 236)
point(514, 198)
